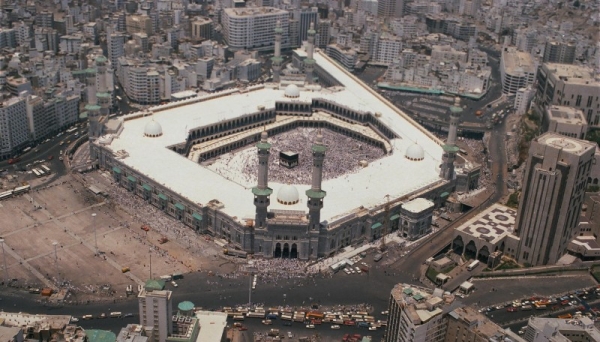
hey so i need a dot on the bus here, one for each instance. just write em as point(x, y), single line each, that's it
point(42, 173)
point(46, 169)
point(27, 150)
point(115, 314)
point(36, 173)
point(21, 189)
point(5, 195)
point(473, 265)
point(236, 253)
point(72, 129)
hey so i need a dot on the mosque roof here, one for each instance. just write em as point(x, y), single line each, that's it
point(199, 184)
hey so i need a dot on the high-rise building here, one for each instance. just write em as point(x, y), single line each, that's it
point(139, 24)
point(390, 8)
point(156, 309)
point(555, 181)
point(415, 315)
point(252, 28)
point(14, 126)
point(202, 29)
point(115, 42)
point(305, 17)
point(571, 86)
point(558, 52)
point(517, 70)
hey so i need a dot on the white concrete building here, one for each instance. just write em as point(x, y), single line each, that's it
point(565, 121)
point(156, 309)
point(517, 70)
point(387, 49)
point(253, 27)
point(14, 126)
point(523, 99)
point(415, 315)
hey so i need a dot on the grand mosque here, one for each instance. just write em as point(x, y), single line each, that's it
point(191, 158)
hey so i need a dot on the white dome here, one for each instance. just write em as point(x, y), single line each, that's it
point(153, 129)
point(292, 91)
point(288, 195)
point(414, 152)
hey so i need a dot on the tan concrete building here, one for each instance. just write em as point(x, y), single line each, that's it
point(565, 121)
point(555, 181)
point(156, 310)
point(572, 86)
point(467, 325)
point(139, 24)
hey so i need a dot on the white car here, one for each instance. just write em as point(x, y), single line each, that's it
point(310, 326)
point(335, 326)
point(290, 335)
point(74, 319)
point(174, 283)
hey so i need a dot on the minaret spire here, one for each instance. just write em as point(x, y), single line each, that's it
point(309, 62)
point(450, 148)
point(262, 191)
point(276, 59)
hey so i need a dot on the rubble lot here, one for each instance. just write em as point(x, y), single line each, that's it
point(62, 213)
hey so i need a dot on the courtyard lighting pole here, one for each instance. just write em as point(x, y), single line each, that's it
point(56, 262)
point(95, 233)
point(4, 260)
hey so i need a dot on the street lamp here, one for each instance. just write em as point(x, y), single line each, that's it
point(95, 234)
point(4, 260)
point(56, 262)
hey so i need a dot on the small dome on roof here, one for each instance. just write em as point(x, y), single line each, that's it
point(414, 152)
point(288, 195)
point(292, 91)
point(153, 129)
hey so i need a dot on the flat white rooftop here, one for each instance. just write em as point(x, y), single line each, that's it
point(492, 224)
point(392, 175)
point(212, 325)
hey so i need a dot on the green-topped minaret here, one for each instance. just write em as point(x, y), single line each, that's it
point(315, 193)
point(277, 60)
point(309, 62)
point(262, 191)
point(450, 148)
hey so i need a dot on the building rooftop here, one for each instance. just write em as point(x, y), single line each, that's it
point(417, 205)
point(37, 322)
point(566, 144)
point(481, 324)
point(518, 62)
point(570, 73)
point(100, 335)
point(492, 224)
point(132, 333)
point(420, 304)
point(550, 326)
point(212, 325)
point(568, 115)
point(253, 11)
point(368, 186)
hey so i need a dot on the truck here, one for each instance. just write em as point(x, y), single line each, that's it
point(473, 265)
point(14, 160)
point(378, 257)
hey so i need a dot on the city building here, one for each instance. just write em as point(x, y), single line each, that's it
point(466, 324)
point(250, 220)
point(554, 186)
point(14, 126)
point(416, 314)
point(558, 330)
point(156, 310)
point(390, 8)
point(523, 100)
point(415, 218)
point(202, 29)
point(559, 52)
point(252, 27)
point(571, 86)
point(565, 121)
point(517, 70)
point(346, 56)
point(490, 231)
point(139, 24)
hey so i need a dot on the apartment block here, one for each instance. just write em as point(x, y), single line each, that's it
point(156, 310)
point(571, 86)
point(253, 28)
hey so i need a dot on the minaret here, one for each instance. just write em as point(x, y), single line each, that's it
point(450, 148)
point(315, 193)
point(262, 191)
point(277, 55)
point(309, 62)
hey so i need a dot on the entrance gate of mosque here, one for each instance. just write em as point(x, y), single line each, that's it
point(286, 252)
